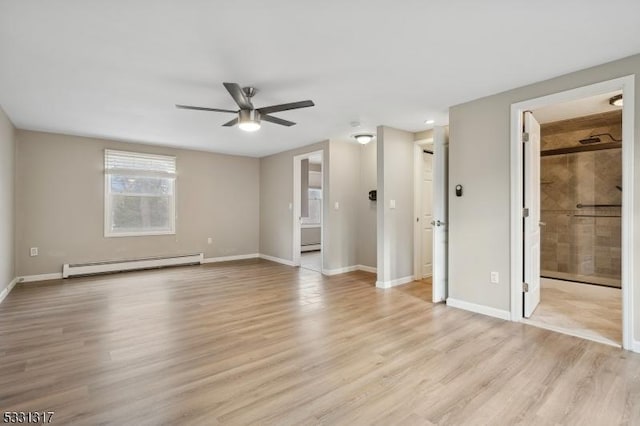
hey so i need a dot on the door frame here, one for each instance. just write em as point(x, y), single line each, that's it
point(626, 84)
point(297, 226)
point(418, 147)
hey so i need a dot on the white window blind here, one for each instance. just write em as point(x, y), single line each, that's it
point(139, 194)
point(117, 161)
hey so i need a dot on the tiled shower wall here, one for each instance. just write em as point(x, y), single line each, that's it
point(583, 244)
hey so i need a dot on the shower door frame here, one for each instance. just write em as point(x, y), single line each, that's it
point(626, 84)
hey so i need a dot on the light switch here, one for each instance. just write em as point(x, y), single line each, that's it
point(290, 206)
point(392, 204)
point(336, 206)
point(33, 251)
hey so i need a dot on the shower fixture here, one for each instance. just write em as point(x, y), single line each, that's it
point(616, 101)
point(596, 139)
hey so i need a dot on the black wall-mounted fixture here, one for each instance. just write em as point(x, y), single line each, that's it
point(596, 138)
point(458, 190)
point(373, 195)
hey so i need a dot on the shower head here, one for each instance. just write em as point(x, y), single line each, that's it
point(590, 140)
point(596, 139)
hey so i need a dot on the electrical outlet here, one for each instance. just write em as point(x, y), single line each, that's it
point(495, 278)
point(209, 240)
point(336, 206)
point(33, 251)
point(392, 204)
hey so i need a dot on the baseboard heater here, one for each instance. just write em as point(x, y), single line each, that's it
point(95, 268)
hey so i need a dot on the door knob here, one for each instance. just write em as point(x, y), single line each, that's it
point(437, 223)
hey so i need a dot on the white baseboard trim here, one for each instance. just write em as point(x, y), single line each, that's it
point(479, 309)
point(366, 268)
point(40, 277)
point(340, 270)
point(635, 346)
point(393, 283)
point(230, 258)
point(4, 293)
point(277, 260)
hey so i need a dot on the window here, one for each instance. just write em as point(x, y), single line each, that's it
point(315, 207)
point(139, 194)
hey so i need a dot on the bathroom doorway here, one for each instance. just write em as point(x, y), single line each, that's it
point(581, 217)
point(574, 157)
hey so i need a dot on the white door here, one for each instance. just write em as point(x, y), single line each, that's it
point(426, 231)
point(532, 218)
point(440, 212)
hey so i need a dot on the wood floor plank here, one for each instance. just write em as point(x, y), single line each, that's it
point(254, 342)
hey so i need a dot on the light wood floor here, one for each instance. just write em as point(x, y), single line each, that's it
point(253, 342)
point(588, 310)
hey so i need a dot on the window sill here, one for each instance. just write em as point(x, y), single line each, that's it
point(138, 234)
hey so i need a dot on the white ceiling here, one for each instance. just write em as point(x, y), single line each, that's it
point(115, 68)
point(579, 108)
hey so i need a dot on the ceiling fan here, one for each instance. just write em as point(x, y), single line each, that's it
point(248, 118)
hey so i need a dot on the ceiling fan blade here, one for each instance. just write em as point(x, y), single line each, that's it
point(285, 107)
point(238, 95)
point(205, 109)
point(277, 120)
point(231, 123)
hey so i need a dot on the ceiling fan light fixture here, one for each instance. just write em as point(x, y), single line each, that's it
point(616, 101)
point(249, 120)
point(363, 138)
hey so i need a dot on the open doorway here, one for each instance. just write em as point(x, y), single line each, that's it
point(430, 211)
point(574, 259)
point(580, 217)
point(423, 205)
point(308, 199)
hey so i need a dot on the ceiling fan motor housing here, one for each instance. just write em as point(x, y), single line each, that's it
point(248, 116)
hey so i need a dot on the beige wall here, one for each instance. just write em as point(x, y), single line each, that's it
point(367, 210)
point(425, 134)
point(341, 241)
point(395, 151)
point(276, 194)
point(341, 185)
point(7, 223)
point(60, 202)
point(480, 160)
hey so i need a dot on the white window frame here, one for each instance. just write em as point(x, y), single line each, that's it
point(107, 195)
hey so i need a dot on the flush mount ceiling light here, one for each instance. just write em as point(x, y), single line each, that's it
point(249, 120)
point(616, 101)
point(429, 121)
point(363, 138)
